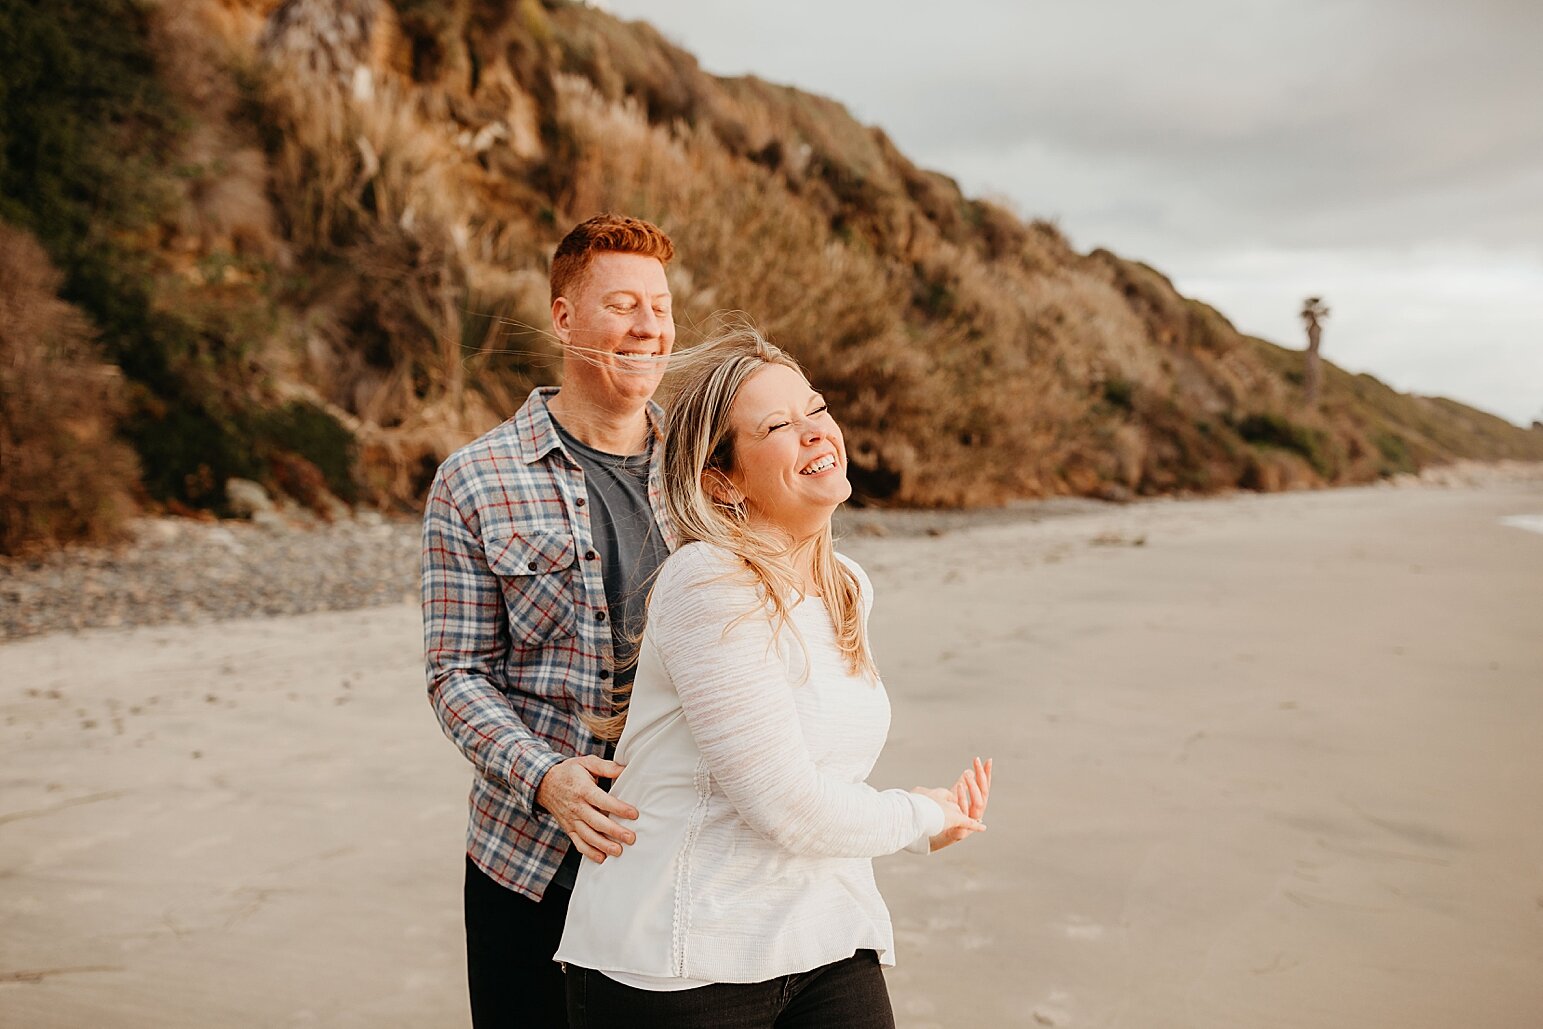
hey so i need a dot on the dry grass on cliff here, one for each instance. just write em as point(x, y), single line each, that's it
point(64, 476)
point(416, 178)
point(930, 410)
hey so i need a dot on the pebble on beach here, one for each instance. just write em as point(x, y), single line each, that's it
point(284, 561)
point(180, 570)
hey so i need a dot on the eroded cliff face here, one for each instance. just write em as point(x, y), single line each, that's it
point(357, 200)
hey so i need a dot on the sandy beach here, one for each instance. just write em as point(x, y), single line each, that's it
point(1261, 761)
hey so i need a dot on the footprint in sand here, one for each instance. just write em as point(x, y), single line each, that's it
point(1053, 1011)
point(1530, 522)
point(1079, 928)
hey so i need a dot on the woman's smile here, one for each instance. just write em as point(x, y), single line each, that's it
point(789, 457)
point(820, 465)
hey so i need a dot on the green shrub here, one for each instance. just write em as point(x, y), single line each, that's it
point(1266, 429)
point(82, 123)
point(1119, 393)
point(1396, 458)
point(189, 451)
point(82, 120)
point(309, 432)
point(88, 140)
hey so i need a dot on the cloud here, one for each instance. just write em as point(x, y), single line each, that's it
point(1455, 323)
point(1389, 146)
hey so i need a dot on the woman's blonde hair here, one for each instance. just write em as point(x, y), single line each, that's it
point(699, 442)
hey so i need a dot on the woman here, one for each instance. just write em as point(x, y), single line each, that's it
point(756, 713)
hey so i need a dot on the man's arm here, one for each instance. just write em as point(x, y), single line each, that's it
point(465, 633)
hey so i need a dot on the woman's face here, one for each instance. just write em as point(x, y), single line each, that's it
point(790, 464)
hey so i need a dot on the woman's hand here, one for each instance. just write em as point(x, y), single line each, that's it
point(963, 805)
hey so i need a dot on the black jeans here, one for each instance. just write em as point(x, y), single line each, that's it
point(846, 994)
point(510, 940)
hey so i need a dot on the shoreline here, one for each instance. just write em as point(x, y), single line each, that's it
point(179, 571)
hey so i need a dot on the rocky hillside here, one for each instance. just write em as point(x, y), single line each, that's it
point(306, 243)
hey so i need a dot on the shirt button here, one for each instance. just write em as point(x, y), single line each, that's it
point(590, 555)
point(531, 566)
point(579, 502)
point(605, 673)
point(599, 616)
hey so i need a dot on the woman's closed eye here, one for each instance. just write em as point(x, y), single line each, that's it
point(822, 409)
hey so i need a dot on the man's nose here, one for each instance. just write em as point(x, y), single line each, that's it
point(647, 324)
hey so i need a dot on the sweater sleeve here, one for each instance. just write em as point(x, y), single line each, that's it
point(738, 701)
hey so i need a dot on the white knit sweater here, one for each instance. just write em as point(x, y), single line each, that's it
point(756, 830)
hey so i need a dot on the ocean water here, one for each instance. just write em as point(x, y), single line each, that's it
point(1530, 522)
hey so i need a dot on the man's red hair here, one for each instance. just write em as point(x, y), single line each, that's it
point(604, 234)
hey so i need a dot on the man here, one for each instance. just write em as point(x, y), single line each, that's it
point(539, 542)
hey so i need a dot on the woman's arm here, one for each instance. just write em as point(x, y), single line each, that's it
point(736, 696)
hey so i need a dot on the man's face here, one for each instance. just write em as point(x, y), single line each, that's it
point(617, 329)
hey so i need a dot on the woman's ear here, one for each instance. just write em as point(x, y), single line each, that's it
point(718, 486)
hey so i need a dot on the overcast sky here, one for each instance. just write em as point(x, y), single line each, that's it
point(1384, 154)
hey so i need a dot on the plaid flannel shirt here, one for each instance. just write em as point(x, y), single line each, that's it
point(517, 638)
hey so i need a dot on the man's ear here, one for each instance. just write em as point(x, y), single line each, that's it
point(720, 488)
point(562, 318)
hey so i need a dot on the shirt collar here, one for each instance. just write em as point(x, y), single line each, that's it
point(536, 435)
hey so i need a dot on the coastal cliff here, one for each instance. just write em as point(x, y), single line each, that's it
point(306, 243)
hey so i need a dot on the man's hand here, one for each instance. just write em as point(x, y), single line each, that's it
point(570, 793)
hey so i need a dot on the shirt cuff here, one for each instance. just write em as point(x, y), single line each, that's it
point(931, 813)
point(528, 766)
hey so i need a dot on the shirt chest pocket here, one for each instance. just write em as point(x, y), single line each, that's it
point(537, 573)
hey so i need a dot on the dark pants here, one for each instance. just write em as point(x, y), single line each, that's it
point(846, 994)
point(510, 940)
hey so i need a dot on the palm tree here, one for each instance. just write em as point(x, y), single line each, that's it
point(1314, 311)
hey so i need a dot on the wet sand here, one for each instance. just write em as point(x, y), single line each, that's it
point(1261, 761)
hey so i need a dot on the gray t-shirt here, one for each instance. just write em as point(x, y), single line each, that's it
point(630, 548)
